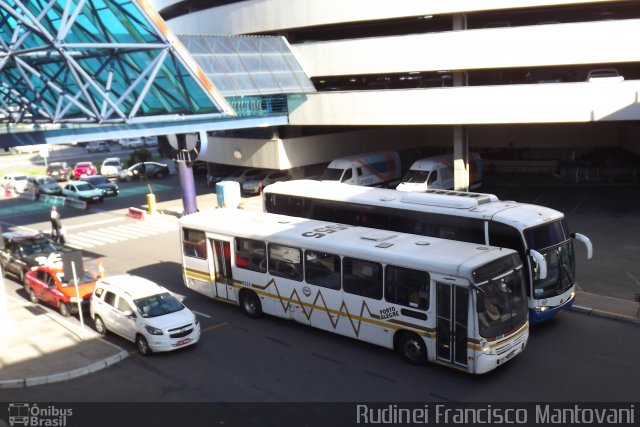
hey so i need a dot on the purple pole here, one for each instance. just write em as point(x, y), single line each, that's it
point(188, 188)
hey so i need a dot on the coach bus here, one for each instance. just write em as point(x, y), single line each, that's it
point(539, 234)
point(454, 303)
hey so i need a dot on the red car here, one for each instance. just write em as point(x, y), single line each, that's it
point(50, 285)
point(84, 169)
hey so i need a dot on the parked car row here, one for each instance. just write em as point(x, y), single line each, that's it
point(251, 180)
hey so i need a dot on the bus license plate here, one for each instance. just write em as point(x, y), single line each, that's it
point(183, 342)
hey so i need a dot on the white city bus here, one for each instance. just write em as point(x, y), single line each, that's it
point(458, 304)
point(539, 234)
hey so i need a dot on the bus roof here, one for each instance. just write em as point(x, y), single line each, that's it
point(459, 203)
point(447, 257)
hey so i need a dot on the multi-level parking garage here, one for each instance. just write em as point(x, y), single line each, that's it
point(507, 78)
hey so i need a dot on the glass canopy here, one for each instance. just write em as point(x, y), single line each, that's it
point(248, 65)
point(97, 62)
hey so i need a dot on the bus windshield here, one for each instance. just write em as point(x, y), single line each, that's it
point(502, 303)
point(560, 271)
point(554, 243)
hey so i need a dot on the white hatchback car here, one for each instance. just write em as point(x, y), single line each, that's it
point(143, 312)
point(111, 167)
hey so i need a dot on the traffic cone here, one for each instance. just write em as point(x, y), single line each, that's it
point(100, 268)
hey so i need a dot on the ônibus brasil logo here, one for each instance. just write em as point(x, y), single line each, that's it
point(31, 414)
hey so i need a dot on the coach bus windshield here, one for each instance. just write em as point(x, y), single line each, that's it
point(555, 244)
point(502, 302)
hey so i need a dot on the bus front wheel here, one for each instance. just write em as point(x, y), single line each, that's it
point(412, 348)
point(251, 304)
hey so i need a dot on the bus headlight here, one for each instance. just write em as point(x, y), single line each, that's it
point(542, 309)
point(485, 347)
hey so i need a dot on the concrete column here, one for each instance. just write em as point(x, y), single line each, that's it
point(460, 137)
point(460, 159)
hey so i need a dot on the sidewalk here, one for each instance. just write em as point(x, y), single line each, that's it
point(41, 347)
point(603, 306)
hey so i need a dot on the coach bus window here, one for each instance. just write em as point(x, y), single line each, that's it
point(250, 255)
point(193, 243)
point(362, 278)
point(285, 261)
point(322, 269)
point(406, 286)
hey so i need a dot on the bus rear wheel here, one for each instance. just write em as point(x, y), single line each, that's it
point(412, 349)
point(250, 304)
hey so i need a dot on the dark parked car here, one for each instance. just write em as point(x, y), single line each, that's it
point(146, 169)
point(23, 250)
point(43, 184)
point(60, 171)
point(108, 188)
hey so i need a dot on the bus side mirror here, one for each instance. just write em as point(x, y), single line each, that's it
point(586, 242)
point(540, 262)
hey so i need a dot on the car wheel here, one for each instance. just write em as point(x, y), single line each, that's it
point(251, 305)
point(32, 296)
point(160, 175)
point(143, 345)
point(412, 348)
point(64, 309)
point(128, 179)
point(99, 324)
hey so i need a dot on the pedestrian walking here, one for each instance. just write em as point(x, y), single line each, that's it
point(56, 226)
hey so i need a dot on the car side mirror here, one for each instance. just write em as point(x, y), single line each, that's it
point(129, 313)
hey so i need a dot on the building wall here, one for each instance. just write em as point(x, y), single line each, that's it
point(504, 116)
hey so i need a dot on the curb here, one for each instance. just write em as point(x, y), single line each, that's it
point(63, 376)
point(601, 313)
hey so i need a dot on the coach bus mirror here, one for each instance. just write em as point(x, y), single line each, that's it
point(586, 242)
point(541, 263)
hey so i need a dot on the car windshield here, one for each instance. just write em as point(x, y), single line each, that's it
point(20, 177)
point(158, 305)
point(415, 176)
point(86, 277)
point(331, 174)
point(111, 163)
point(38, 247)
point(46, 180)
point(83, 165)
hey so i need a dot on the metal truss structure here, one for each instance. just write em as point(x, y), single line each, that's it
point(97, 62)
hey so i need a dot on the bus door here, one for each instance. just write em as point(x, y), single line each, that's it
point(452, 316)
point(220, 266)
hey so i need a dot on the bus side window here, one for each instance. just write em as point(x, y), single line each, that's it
point(505, 236)
point(250, 255)
point(362, 277)
point(322, 269)
point(406, 286)
point(285, 261)
point(193, 243)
